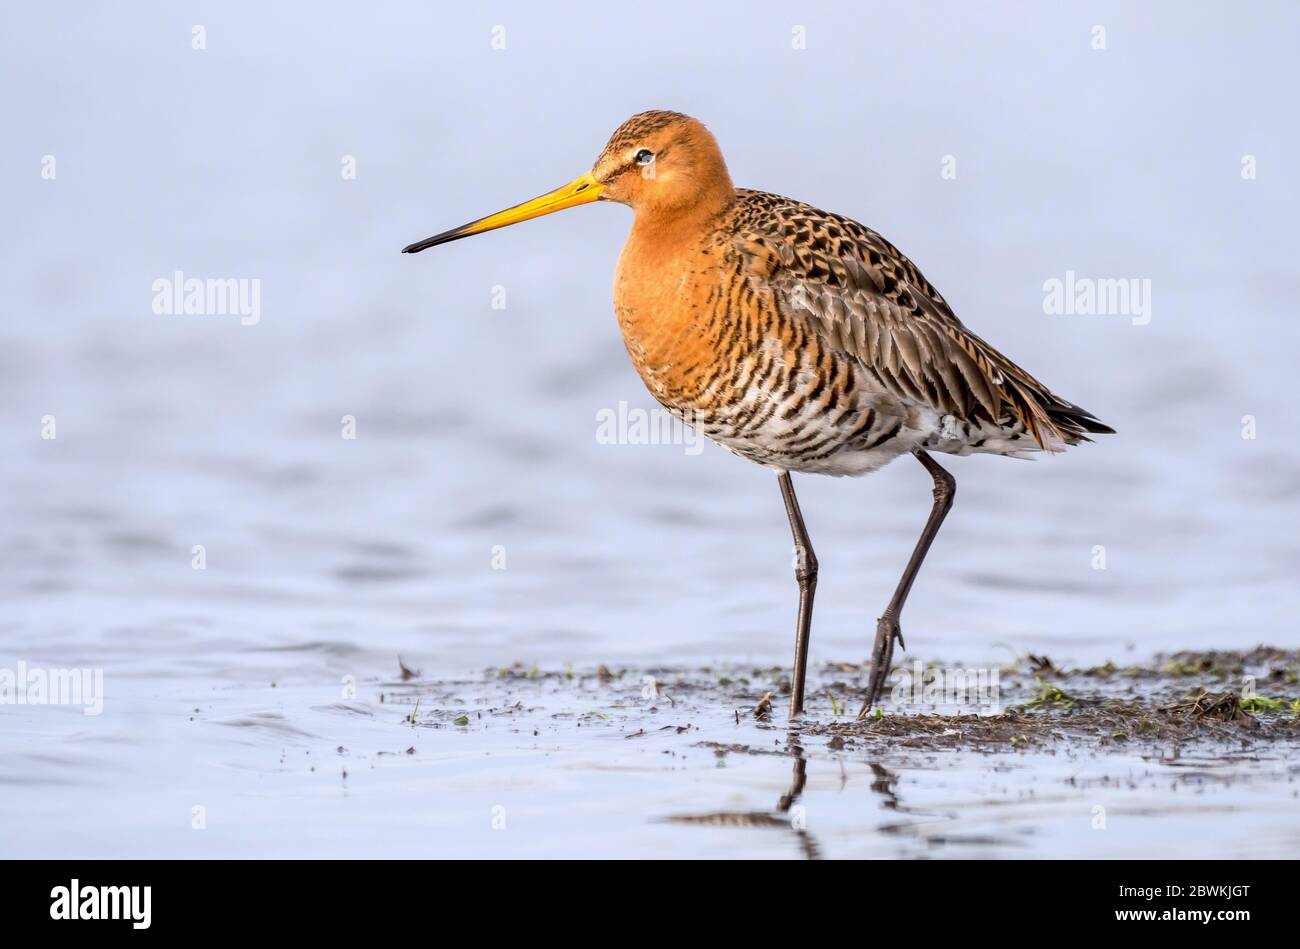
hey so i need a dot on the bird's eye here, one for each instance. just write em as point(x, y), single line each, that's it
point(644, 157)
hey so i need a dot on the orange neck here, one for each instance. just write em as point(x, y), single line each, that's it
point(666, 272)
point(657, 229)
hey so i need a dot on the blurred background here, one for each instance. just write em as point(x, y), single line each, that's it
point(1161, 148)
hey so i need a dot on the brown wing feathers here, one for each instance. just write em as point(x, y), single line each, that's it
point(870, 301)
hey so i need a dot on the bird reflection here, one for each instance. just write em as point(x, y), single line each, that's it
point(788, 815)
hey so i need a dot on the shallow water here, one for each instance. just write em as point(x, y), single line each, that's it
point(585, 767)
point(327, 558)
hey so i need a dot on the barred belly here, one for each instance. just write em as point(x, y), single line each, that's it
point(788, 412)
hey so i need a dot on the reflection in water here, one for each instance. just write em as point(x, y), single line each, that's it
point(793, 816)
point(786, 804)
point(884, 783)
point(920, 829)
point(914, 826)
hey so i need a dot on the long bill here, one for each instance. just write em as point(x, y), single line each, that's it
point(582, 190)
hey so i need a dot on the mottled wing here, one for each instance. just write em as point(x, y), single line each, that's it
point(865, 298)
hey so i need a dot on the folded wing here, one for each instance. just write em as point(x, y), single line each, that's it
point(865, 298)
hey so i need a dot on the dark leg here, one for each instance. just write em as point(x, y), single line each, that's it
point(887, 629)
point(806, 573)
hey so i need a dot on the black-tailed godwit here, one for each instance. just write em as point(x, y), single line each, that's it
point(799, 339)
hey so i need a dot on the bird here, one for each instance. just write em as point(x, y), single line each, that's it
point(798, 339)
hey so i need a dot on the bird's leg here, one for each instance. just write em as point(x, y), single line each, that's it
point(887, 628)
point(806, 573)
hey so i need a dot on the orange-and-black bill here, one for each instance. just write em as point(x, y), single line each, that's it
point(583, 190)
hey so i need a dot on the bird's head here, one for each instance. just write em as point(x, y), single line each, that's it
point(657, 163)
point(661, 161)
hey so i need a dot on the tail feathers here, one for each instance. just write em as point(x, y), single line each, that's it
point(1072, 420)
point(1055, 423)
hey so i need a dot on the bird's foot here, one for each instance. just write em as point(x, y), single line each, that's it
point(882, 657)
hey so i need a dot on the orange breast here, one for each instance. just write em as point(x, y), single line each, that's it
point(665, 300)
